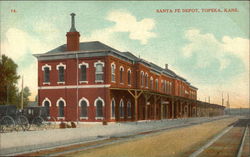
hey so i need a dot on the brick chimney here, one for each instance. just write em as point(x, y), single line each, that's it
point(73, 36)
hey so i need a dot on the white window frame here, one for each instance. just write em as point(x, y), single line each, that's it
point(146, 78)
point(129, 70)
point(46, 99)
point(43, 67)
point(57, 68)
point(79, 104)
point(142, 78)
point(122, 108)
point(151, 82)
point(57, 104)
point(103, 64)
point(103, 104)
point(113, 73)
point(87, 66)
point(121, 78)
point(112, 100)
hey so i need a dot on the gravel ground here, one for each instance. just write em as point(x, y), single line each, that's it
point(175, 143)
point(26, 141)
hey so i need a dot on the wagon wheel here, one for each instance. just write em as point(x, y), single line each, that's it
point(7, 124)
point(38, 122)
point(23, 123)
point(51, 123)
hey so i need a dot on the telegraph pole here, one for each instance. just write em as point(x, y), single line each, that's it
point(22, 95)
point(228, 104)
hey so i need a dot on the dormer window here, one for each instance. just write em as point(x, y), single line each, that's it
point(61, 68)
point(99, 71)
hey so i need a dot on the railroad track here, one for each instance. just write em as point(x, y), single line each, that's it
point(231, 142)
point(103, 141)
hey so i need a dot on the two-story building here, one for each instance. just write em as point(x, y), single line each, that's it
point(91, 82)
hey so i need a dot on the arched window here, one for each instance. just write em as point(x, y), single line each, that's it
point(142, 78)
point(146, 80)
point(156, 84)
point(112, 72)
point(61, 74)
point(121, 109)
point(99, 106)
point(47, 107)
point(113, 108)
point(129, 108)
point(99, 71)
point(151, 82)
point(84, 109)
point(129, 77)
point(61, 109)
point(121, 74)
point(170, 87)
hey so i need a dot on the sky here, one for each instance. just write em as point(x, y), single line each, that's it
point(209, 49)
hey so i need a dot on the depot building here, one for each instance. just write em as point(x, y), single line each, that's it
point(93, 82)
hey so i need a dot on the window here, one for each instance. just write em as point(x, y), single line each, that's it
point(129, 108)
point(121, 74)
point(129, 77)
point(151, 82)
point(165, 86)
point(113, 108)
point(61, 109)
point(84, 109)
point(61, 74)
point(121, 111)
point(46, 74)
point(146, 80)
point(162, 86)
point(83, 73)
point(99, 73)
point(168, 87)
point(112, 72)
point(170, 91)
point(142, 78)
point(47, 107)
point(99, 105)
point(156, 84)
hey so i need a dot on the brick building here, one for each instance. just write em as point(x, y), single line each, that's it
point(91, 82)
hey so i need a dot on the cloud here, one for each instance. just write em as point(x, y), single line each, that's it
point(207, 48)
point(124, 22)
point(19, 46)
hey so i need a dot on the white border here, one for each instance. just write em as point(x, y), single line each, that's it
point(46, 99)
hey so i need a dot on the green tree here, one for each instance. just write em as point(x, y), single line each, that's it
point(8, 81)
point(26, 94)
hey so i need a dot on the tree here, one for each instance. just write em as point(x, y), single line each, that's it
point(8, 81)
point(26, 94)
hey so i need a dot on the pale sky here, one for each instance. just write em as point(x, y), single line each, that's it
point(209, 49)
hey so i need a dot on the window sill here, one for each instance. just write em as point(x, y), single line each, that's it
point(83, 82)
point(84, 118)
point(112, 117)
point(61, 118)
point(60, 82)
point(122, 83)
point(99, 81)
point(99, 118)
point(129, 85)
point(46, 83)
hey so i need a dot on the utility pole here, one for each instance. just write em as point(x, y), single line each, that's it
point(22, 95)
point(209, 99)
point(222, 100)
point(228, 104)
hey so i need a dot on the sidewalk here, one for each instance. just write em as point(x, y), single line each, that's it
point(16, 142)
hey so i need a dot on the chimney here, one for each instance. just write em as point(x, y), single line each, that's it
point(73, 36)
point(166, 66)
